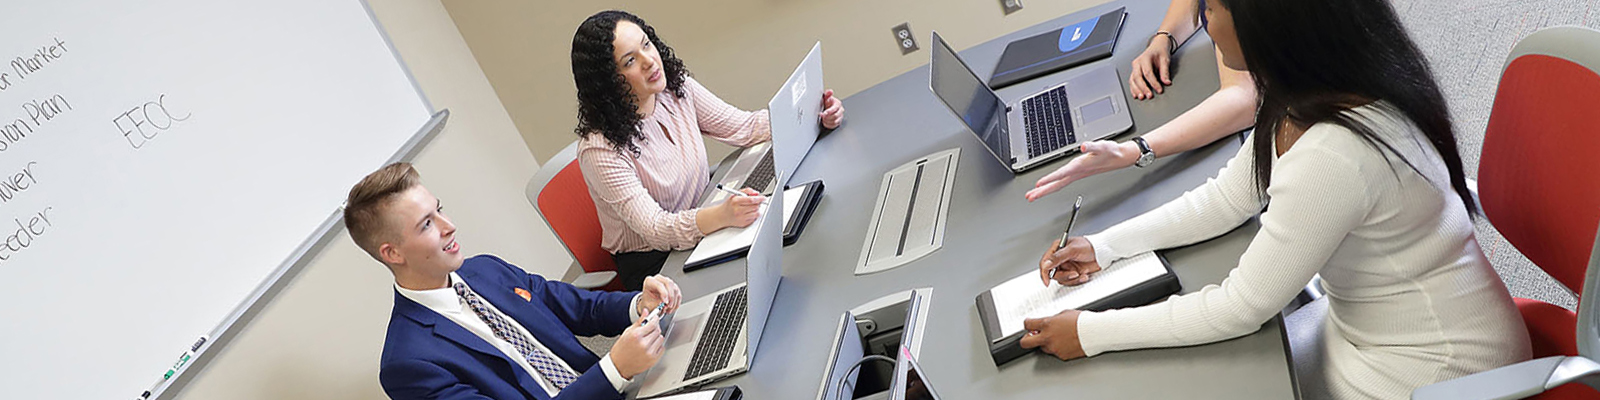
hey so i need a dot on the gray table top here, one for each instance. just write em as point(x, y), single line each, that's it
point(994, 234)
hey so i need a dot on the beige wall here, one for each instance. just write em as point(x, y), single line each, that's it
point(320, 338)
point(740, 49)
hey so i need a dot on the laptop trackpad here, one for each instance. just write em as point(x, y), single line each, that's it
point(684, 330)
point(1096, 110)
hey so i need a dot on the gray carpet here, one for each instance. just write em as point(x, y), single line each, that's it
point(1466, 42)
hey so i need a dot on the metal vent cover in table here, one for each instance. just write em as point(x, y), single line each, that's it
point(908, 220)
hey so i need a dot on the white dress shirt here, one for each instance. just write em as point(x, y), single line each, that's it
point(446, 302)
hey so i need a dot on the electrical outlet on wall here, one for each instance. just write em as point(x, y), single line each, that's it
point(1011, 6)
point(904, 39)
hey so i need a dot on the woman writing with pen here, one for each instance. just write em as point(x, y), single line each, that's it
point(1355, 153)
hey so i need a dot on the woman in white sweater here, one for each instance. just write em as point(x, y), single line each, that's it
point(1354, 173)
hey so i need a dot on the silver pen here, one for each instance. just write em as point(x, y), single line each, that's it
point(1074, 218)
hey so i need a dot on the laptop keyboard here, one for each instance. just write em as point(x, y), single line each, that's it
point(761, 177)
point(721, 333)
point(1048, 121)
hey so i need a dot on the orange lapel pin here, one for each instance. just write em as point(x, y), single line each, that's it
point(524, 293)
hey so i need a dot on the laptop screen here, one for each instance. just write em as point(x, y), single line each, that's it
point(849, 351)
point(959, 88)
point(764, 269)
point(793, 113)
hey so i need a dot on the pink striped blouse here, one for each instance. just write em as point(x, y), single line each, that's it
point(647, 202)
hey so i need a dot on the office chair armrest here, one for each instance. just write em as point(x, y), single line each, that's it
point(1472, 189)
point(594, 280)
point(1515, 381)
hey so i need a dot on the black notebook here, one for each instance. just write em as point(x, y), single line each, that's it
point(722, 393)
point(1060, 49)
point(1132, 281)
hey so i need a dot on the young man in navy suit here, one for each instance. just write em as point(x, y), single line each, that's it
point(482, 328)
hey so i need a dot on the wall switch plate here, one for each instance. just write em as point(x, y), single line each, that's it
point(1011, 6)
point(904, 39)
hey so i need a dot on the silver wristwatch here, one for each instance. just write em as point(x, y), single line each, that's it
point(1146, 156)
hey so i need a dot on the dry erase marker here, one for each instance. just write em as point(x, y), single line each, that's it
point(1074, 218)
point(184, 359)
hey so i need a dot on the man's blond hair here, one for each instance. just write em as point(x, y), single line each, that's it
point(369, 200)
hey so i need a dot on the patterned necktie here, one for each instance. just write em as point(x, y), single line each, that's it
point(541, 360)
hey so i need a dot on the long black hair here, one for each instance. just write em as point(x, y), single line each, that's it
point(605, 101)
point(1314, 60)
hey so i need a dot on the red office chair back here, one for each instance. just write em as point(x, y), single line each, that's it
point(566, 206)
point(1539, 183)
point(1539, 177)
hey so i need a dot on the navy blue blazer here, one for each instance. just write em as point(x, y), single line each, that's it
point(428, 356)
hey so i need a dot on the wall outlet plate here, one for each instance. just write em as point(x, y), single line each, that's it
point(1011, 6)
point(904, 39)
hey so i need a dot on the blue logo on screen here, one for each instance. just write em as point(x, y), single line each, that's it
point(1073, 36)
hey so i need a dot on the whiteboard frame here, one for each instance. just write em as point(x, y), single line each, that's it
point(303, 254)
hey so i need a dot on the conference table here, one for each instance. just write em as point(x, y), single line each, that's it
point(994, 234)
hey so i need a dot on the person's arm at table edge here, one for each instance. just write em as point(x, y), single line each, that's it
point(1231, 109)
point(1182, 20)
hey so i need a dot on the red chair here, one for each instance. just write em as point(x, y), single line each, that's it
point(1539, 184)
point(561, 196)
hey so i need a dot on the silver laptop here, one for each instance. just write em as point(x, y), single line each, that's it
point(715, 336)
point(795, 112)
point(1039, 128)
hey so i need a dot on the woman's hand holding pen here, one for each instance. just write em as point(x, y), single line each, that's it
point(1071, 264)
point(741, 211)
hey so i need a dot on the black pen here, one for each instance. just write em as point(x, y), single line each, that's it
point(1074, 218)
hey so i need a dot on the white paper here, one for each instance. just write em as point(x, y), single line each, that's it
point(1025, 297)
point(708, 394)
point(732, 239)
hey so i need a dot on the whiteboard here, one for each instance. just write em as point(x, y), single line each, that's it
point(162, 159)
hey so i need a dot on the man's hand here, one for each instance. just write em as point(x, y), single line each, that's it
point(658, 289)
point(1072, 264)
point(638, 349)
point(1056, 335)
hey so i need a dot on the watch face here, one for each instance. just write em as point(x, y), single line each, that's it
point(1145, 159)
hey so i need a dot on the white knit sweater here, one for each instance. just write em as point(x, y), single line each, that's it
point(1412, 300)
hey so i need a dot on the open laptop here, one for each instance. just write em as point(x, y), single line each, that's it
point(1041, 127)
point(794, 111)
point(715, 336)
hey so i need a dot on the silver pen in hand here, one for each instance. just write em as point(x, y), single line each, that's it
point(1063, 243)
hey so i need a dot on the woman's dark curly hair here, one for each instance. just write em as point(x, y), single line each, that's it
point(605, 101)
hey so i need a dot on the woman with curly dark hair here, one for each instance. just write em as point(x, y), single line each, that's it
point(640, 118)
